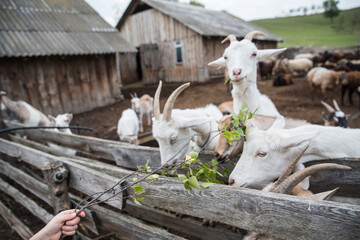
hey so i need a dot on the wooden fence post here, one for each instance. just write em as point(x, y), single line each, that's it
point(56, 175)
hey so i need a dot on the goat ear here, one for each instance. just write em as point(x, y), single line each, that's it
point(70, 117)
point(220, 62)
point(263, 54)
point(325, 116)
point(278, 123)
point(51, 118)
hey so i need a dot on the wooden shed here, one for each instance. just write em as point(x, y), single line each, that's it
point(176, 40)
point(59, 56)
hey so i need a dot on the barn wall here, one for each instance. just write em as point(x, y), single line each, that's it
point(57, 84)
point(128, 68)
point(154, 27)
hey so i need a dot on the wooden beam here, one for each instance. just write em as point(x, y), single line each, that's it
point(28, 203)
point(15, 223)
point(56, 176)
point(81, 178)
point(249, 209)
point(188, 225)
point(130, 228)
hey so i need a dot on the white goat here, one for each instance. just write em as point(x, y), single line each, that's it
point(241, 58)
point(224, 151)
point(298, 65)
point(128, 126)
point(142, 106)
point(174, 129)
point(23, 112)
point(266, 153)
point(62, 120)
point(324, 79)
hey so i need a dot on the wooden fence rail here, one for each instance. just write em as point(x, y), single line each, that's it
point(279, 215)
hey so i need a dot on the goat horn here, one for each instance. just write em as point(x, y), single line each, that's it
point(328, 107)
point(336, 105)
point(171, 101)
point(289, 169)
point(288, 184)
point(157, 101)
point(323, 195)
point(251, 34)
point(230, 37)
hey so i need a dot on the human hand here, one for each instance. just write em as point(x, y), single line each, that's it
point(64, 222)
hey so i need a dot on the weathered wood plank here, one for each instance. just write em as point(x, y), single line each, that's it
point(82, 178)
point(187, 226)
point(130, 228)
point(29, 204)
point(34, 186)
point(15, 223)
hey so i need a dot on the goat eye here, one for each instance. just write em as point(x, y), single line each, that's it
point(225, 57)
point(253, 55)
point(261, 154)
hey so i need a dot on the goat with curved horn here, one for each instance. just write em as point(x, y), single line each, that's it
point(251, 34)
point(230, 37)
point(177, 131)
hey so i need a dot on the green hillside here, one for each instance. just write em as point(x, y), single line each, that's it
point(316, 29)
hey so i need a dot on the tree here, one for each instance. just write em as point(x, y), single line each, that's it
point(330, 9)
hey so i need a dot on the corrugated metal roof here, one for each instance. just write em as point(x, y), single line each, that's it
point(55, 27)
point(201, 20)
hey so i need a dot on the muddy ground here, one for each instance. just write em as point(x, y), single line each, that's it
point(291, 101)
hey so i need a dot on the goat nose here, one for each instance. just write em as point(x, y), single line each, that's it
point(231, 182)
point(216, 154)
point(237, 72)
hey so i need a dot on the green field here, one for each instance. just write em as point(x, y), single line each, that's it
point(316, 30)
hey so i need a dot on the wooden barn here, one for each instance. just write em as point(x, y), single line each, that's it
point(60, 56)
point(175, 41)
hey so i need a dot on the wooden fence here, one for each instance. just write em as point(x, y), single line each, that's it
point(279, 215)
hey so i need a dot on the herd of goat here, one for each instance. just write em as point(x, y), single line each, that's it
point(273, 141)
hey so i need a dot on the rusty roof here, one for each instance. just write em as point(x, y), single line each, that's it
point(201, 20)
point(56, 27)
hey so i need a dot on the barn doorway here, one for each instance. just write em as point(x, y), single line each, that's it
point(138, 65)
point(150, 61)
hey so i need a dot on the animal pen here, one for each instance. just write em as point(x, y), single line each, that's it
point(100, 164)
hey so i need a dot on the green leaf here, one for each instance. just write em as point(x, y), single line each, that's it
point(193, 182)
point(187, 185)
point(214, 162)
point(140, 199)
point(194, 154)
point(135, 179)
point(240, 132)
point(250, 115)
point(182, 177)
point(138, 190)
point(243, 105)
point(246, 132)
point(137, 202)
point(228, 80)
point(242, 117)
point(206, 184)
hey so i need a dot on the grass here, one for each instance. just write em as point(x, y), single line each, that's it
point(315, 29)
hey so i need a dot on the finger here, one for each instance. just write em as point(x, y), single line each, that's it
point(81, 214)
point(69, 228)
point(70, 233)
point(73, 221)
point(65, 215)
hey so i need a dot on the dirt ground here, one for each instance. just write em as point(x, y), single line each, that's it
point(291, 101)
